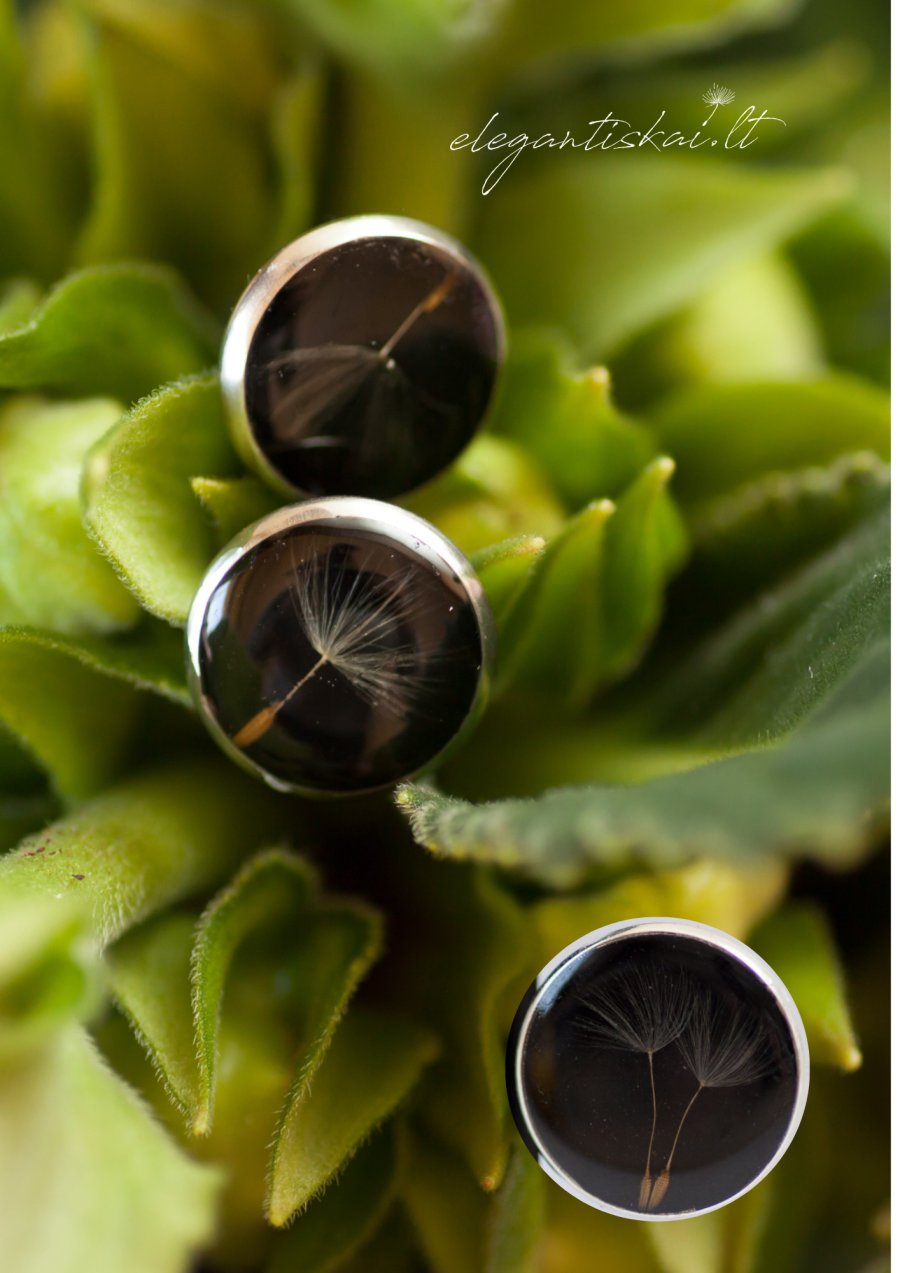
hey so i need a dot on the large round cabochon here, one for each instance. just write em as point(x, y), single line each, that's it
point(362, 360)
point(339, 646)
point(657, 1069)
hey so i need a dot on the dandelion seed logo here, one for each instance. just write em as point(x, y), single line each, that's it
point(715, 97)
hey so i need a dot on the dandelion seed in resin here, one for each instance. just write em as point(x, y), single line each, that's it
point(642, 1008)
point(715, 97)
point(339, 653)
point(722, 1047)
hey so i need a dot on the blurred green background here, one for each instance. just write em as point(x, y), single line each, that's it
point(240, 1031)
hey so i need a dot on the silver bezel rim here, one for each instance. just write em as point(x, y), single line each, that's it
point(262, 289)
point(665, 926)
point(361, 513)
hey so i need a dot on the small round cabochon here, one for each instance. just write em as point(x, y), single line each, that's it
point(663, 1022)
point(362, 360)
point(338, 646)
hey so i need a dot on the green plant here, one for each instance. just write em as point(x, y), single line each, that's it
point(685, 549)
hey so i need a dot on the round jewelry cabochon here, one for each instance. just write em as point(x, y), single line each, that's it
point(657, 1068)
point(362, 359)
point(339, 646)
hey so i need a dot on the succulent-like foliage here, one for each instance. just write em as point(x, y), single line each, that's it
point(221, 1054)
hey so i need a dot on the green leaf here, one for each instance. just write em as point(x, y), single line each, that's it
point(614, 245)
point(594, 597)
point(822, 634)
point(494, 491)
point(504, 570)
point(295, 120)
point(116, 330)
point(80, 1149)
point(337, 1224)
point(264, 890)
point(37, 211)
point(149, 972)
point(753, 534)
point(50, 572)
point(576, 1233)
point(535, 34)
point(731, 898)
point(821, 795)
point(372, 1064)
point(517, 1220)
point(149, 657)
point(19, 298)
point(233, 503)
point(798, 944)
point(47, 975)
point(344, 940)
point(181, 96)
point(448, 1210)
point(76, 723)
point(407, 43)
point(724, 435)
point(567, 421)
point(472, 945)
point(138, 500)
point(147, 843)
point(725, 1241)
point(552, 634)
point(808, 665)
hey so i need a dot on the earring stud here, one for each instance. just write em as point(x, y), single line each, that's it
point(339, 646)
point(362, 359)
point(657, 1068)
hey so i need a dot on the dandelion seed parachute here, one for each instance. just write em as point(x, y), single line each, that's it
point(339, 646)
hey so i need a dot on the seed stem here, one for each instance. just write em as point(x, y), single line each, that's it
point(263, 720)
point(645, 1183)
point(431, 302)
point(662, 1180)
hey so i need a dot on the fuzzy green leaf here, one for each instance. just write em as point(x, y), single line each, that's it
point(147, 843)
point(264, 890)
point(47, 976)
point(517, 1220)
point(449, 1211)
point(149, 972)
point(798, 944)
point(476, 946)
point(183, 93)
point(614, 245)
point(373, 1062)
point(756, 532)
point(75, 722)
point(78, 1148)
point(50, 572)
point(494, 491)
point(724, 435)
point(504, 570)
point(335, 1225)
point(116, 330)
point(567, 421)
point(823, 633)
point(233, 503)
point(344, 940)
point(138, 500)
point(808, 665)
point(820, 795)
